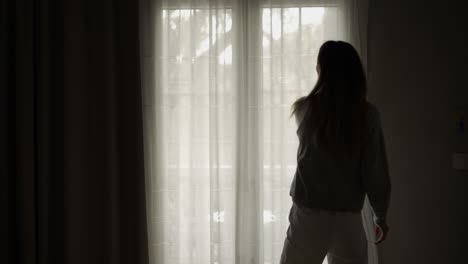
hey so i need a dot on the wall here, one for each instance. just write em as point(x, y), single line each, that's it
point(417, 77)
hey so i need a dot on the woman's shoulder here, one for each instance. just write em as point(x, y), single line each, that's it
point(299, 108)
point(373, 114)
point(300, 104)
point(372, 109)
point(301, 101)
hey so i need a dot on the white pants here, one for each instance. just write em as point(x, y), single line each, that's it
point(314, 234)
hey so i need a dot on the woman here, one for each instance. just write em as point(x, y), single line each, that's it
point(341, 158)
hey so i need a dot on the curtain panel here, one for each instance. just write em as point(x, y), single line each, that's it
point(219, 78)
point(72, 186)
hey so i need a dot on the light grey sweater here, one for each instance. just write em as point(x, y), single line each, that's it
point(322, 182)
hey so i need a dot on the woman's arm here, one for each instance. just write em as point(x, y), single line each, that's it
point(375, 174)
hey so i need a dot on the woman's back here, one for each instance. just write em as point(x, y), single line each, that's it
point(341, 159)
point(324, 181)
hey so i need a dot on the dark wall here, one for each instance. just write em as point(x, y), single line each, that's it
point(417, 74)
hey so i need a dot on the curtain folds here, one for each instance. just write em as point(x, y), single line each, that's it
point(71, 157)
point(219, 78)
point(31, 132)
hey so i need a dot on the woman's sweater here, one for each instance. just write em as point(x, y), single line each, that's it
point(323, 182)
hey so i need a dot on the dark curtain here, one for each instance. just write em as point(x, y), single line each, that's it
point(71, 157)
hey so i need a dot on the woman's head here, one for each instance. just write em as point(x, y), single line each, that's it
point(340, 70)
point(333, 110)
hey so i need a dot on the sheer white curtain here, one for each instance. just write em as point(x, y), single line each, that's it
point(219, 80)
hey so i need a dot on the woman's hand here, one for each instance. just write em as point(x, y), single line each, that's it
point(381, 231)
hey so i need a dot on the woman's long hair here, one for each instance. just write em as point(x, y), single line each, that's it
point(334, 111)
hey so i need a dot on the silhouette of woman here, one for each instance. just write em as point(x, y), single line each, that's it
point(341, 158)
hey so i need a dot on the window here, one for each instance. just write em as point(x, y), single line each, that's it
point(225, 149)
